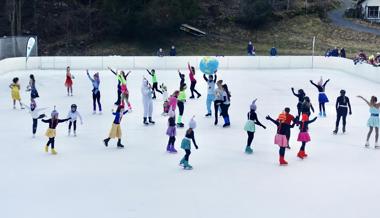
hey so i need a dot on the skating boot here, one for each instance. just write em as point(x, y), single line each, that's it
point(377, 146)
point(192, 97)
point(199, 95)
point(187, 166)
point(94, 112)
point(367, 144)
point(75, 133)
point(283, 161)
point(336, 131)
point(46, 148)
point(208, 115)
point(145, 121)
point(106, 141)
point(119, 145)
point(151, 121)
point(288, 147)
point(181, 163)
point(320, 114)
point(344, 129)
point(168, 148)
point(172, 149)
point(248, 150)
point(180, 125)
point(69, 132)
point(53, 152)
point(324, 114)
point(301, 154)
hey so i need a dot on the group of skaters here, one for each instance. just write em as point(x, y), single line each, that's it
point(217, 103)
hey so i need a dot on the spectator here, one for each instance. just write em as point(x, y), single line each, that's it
point(343, 53)
point(160, 53)
point(328, 53)
point(251, 49)
point(377, 58)
point(335, 52)
point(173, 51)
point(273, 51)
point(360, 57)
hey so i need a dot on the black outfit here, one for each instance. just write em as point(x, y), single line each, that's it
point(182, 77)
point(192, 89)
point(301, 98)
point(171, 123)
point(282, 129)
point(321, 89)
point(181, 107)
point(35, 123)
point(155, 86)
point(74, 124)
point(305, 108)
point(190, 135)
point(96, 99)
point(342, 105)
point(118, 101)
point(52, 125)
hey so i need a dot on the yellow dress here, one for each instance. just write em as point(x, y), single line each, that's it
point(15, 91)
point(50, 133)
point(115, 131)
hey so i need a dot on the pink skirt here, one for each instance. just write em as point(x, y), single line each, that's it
point(281, 140)
point(303, 137)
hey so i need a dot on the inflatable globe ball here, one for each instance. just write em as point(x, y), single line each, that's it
point(208, 65)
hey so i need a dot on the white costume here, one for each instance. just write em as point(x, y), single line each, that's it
point(146, 92)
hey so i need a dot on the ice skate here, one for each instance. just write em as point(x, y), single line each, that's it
point(46, 148)
point(367, 144)
point(248, 150)
point(377, 146)
point(53, 152)
point(151, 121)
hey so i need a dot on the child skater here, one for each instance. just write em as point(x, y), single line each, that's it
point(95, 92)
point(172, 102)
point(34, 112)
point(322, 98)
point(193, 81)
point(301, 97)
point(122, 89)
point(165, 98)
point(306, 106)
point(250, 126)
point(373, 121)
point(304, 136)
point(211, 81)
point(182, 78)
point(218, 99)
point(342, 106)
point(15, 92)
point(226, 105)
point(69, 82)
point(280, 138)
point(181, 104)
point(51, 131)
point(154, 82)
point(116, 129)
point(171, 132)
point(146, 91)
point(186, 145)
point(73, 115)
point(32, 88)
point(289, 119)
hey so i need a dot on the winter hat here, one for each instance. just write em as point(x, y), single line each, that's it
point(253, 105)
point(54, 113)
point(192, 123)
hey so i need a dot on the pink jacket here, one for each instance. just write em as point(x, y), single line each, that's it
point(172, 103)
point(191, 75)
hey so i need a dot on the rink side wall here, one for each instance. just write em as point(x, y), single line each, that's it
point(179, 62)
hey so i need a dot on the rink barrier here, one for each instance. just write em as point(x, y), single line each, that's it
point(179, 62)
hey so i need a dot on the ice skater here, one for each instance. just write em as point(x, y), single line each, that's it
point(95, 92)
point(343, 107)
point(154, 82)
point(186, 145)
point(122, 89)
point(32, 88)
point(146, 90)
point(172, 103)
point(171, 132)
point(15, 92)
point(289, 121)
point(193, 81)
point(69, 82)
point(226, 105)
point(250, 126)
point(181, 104)
point(35, 113)
point(74, 115)
point(322, 97)
point(218, 100)
point(115, 131)
point(211, 81)
point(301, 97)
point(51, 131)
point(280, 138)
point(165, 98)
point(181, 78)
point(307, 106)
point(373, 121)
point(304, 136)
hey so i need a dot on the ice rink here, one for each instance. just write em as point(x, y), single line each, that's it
point(338, 179)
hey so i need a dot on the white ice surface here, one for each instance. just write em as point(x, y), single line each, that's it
point(339, 178)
